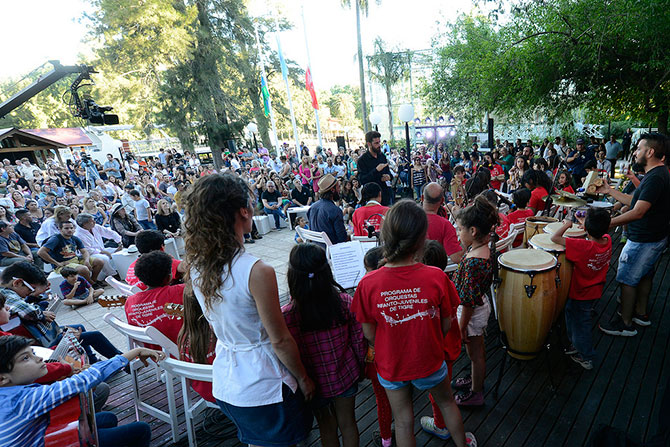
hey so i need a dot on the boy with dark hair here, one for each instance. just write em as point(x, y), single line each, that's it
point(24, 415)
point(146, 308)
point(591, 259)
point(76, 290)
point(143, 212)
point(147, 241)
point(520, 197)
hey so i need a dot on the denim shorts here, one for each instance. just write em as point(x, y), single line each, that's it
point(637, 260)
point(321, 402)
point(282, 424)
point(424, 383)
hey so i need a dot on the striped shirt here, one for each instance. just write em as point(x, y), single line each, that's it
point(24, 414)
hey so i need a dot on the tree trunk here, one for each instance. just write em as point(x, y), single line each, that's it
point(663, 121)
point(361, 73)
point(389, 103)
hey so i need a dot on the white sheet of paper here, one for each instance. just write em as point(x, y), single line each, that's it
point(347, 260)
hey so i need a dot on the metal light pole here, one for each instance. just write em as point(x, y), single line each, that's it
point(406, 114)
point(253, 128)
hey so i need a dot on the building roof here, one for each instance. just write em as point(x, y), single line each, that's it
point(68, 136)
point(26, 139)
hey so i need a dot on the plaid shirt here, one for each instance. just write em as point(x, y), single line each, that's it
point(28, 313)
point(333, 357)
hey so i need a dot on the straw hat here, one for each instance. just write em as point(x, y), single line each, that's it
point(327, 182)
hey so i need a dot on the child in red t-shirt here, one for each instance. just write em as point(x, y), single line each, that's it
point(520, 197)
point(565, 182)
point(591, 259)
point(404, 307)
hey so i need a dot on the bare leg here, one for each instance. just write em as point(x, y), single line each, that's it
point(444, 398)
point(85, 272)
point(477, 356)
point(97, 265)
point(643, 290)
point(327, 421)
point(403, 414)
point(346, 420)
point(628, 298)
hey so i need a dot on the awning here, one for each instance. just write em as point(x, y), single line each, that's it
point(68, 136)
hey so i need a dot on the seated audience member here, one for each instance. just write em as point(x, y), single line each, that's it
point(24, 414)
point(22, 279)
point(371, 213)
point(146, 308)
point(27, 228)
point(439, 228)
point(50, 226)
point(168, 222)
point(272, 203)
point(146, 242)
point(67, 249)
point(93, 237)
point(124, 224)
point(302, 223)
point(76, 290)
point(14, 249)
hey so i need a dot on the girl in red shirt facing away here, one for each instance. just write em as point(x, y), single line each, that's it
point(330, 341)
point(404, 307)
point(540, 187)
point(520, 197)
point(473, 281)
point(565, 182)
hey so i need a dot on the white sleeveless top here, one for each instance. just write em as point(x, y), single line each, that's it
point(246, 371)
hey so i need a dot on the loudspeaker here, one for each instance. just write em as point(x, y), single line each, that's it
point(341, 142)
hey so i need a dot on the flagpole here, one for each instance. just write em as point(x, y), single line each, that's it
point(275, 141)
point(284, 72)
point(309, 67)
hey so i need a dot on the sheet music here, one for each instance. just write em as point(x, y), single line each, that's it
point(347, 259)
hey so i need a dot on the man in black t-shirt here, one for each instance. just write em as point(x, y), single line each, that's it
point(27, 229)
point(272, 202)
point(300, 196)
point(374, 167)
point(648, 218)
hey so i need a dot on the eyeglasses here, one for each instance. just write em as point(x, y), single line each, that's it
point(31, 288)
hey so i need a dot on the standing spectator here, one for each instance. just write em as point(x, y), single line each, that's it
point(613, 148)
point(374, 167)
point(647, 219)
point(142, 211)
point(124, 224)
point(626, 141)
point(578, 158)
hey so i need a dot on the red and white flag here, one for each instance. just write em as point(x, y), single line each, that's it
point(310, 88)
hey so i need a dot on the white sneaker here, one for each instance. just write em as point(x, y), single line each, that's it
point(428, 424)
point(470, 440)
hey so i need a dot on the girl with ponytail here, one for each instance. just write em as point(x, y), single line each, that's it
point(405, 311)
point(473, 281)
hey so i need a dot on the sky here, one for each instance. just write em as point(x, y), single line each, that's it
point(331, 32)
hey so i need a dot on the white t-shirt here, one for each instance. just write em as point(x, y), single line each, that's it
point(141, 209)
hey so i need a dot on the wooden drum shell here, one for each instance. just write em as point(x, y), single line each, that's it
point(535, 225)
point(564, 274)
point(526, 321)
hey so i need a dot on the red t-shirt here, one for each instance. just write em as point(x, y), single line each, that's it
point(502, 230)
point(134, 280)
point(442, 231)
point(55, 370)
point(406, 304)
point(146, 309)
point(495, 171)
point(591, 261)
point(569, 189)
point(537, 198)
point(519, 216)
point(363, 217)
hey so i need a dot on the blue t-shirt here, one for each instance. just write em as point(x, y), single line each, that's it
point(11, 244)
point(82, 289)
point(64, 250)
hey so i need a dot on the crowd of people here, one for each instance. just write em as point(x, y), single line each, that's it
point(429, 208)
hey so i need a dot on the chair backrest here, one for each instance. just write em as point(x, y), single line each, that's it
point(122, 287)
point(450, 268)
point(518, 227)
point(138, 336)
point(314, 236)
point(363, 239)
point(506, 243)
point(192, 371)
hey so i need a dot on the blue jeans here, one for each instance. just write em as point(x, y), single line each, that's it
point(638, 260)
point(135, 434)
point(95, 340)
point(147, 224)
point(278, 213)
point(578, 326)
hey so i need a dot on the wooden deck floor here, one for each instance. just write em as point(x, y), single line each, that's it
point(623, 390)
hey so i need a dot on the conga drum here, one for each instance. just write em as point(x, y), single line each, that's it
point(526, 300)
point(535, 225)
point(573, 231)
point(564, 268)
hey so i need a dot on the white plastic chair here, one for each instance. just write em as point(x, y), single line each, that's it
point(138, 337)
point(314, 236)
point(193, 408)
point(450, 268)
point(122, 287)
point(506, 244)
point(363, 239)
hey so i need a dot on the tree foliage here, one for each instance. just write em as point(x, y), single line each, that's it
point(388, 68)
point(549, 57)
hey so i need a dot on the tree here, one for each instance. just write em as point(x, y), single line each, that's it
point(549, 57)
point(360, 4)
point(387, 68)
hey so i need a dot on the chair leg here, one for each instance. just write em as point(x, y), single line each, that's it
point(136, 391)
point(172, 406)
point(190, 429)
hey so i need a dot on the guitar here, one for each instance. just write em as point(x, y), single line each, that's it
point(112, 300)
point(174, 310)
point(72, 423)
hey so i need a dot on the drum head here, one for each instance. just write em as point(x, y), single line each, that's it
point(600, 204)
point(543, 242)
point(540, 219)
point(573, 231)
point(527, 260)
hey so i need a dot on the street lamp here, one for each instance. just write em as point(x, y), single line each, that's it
point(406, 114)
point(253, 128)
point(375, 119)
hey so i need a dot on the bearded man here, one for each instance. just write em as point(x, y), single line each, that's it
point(374, 167)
